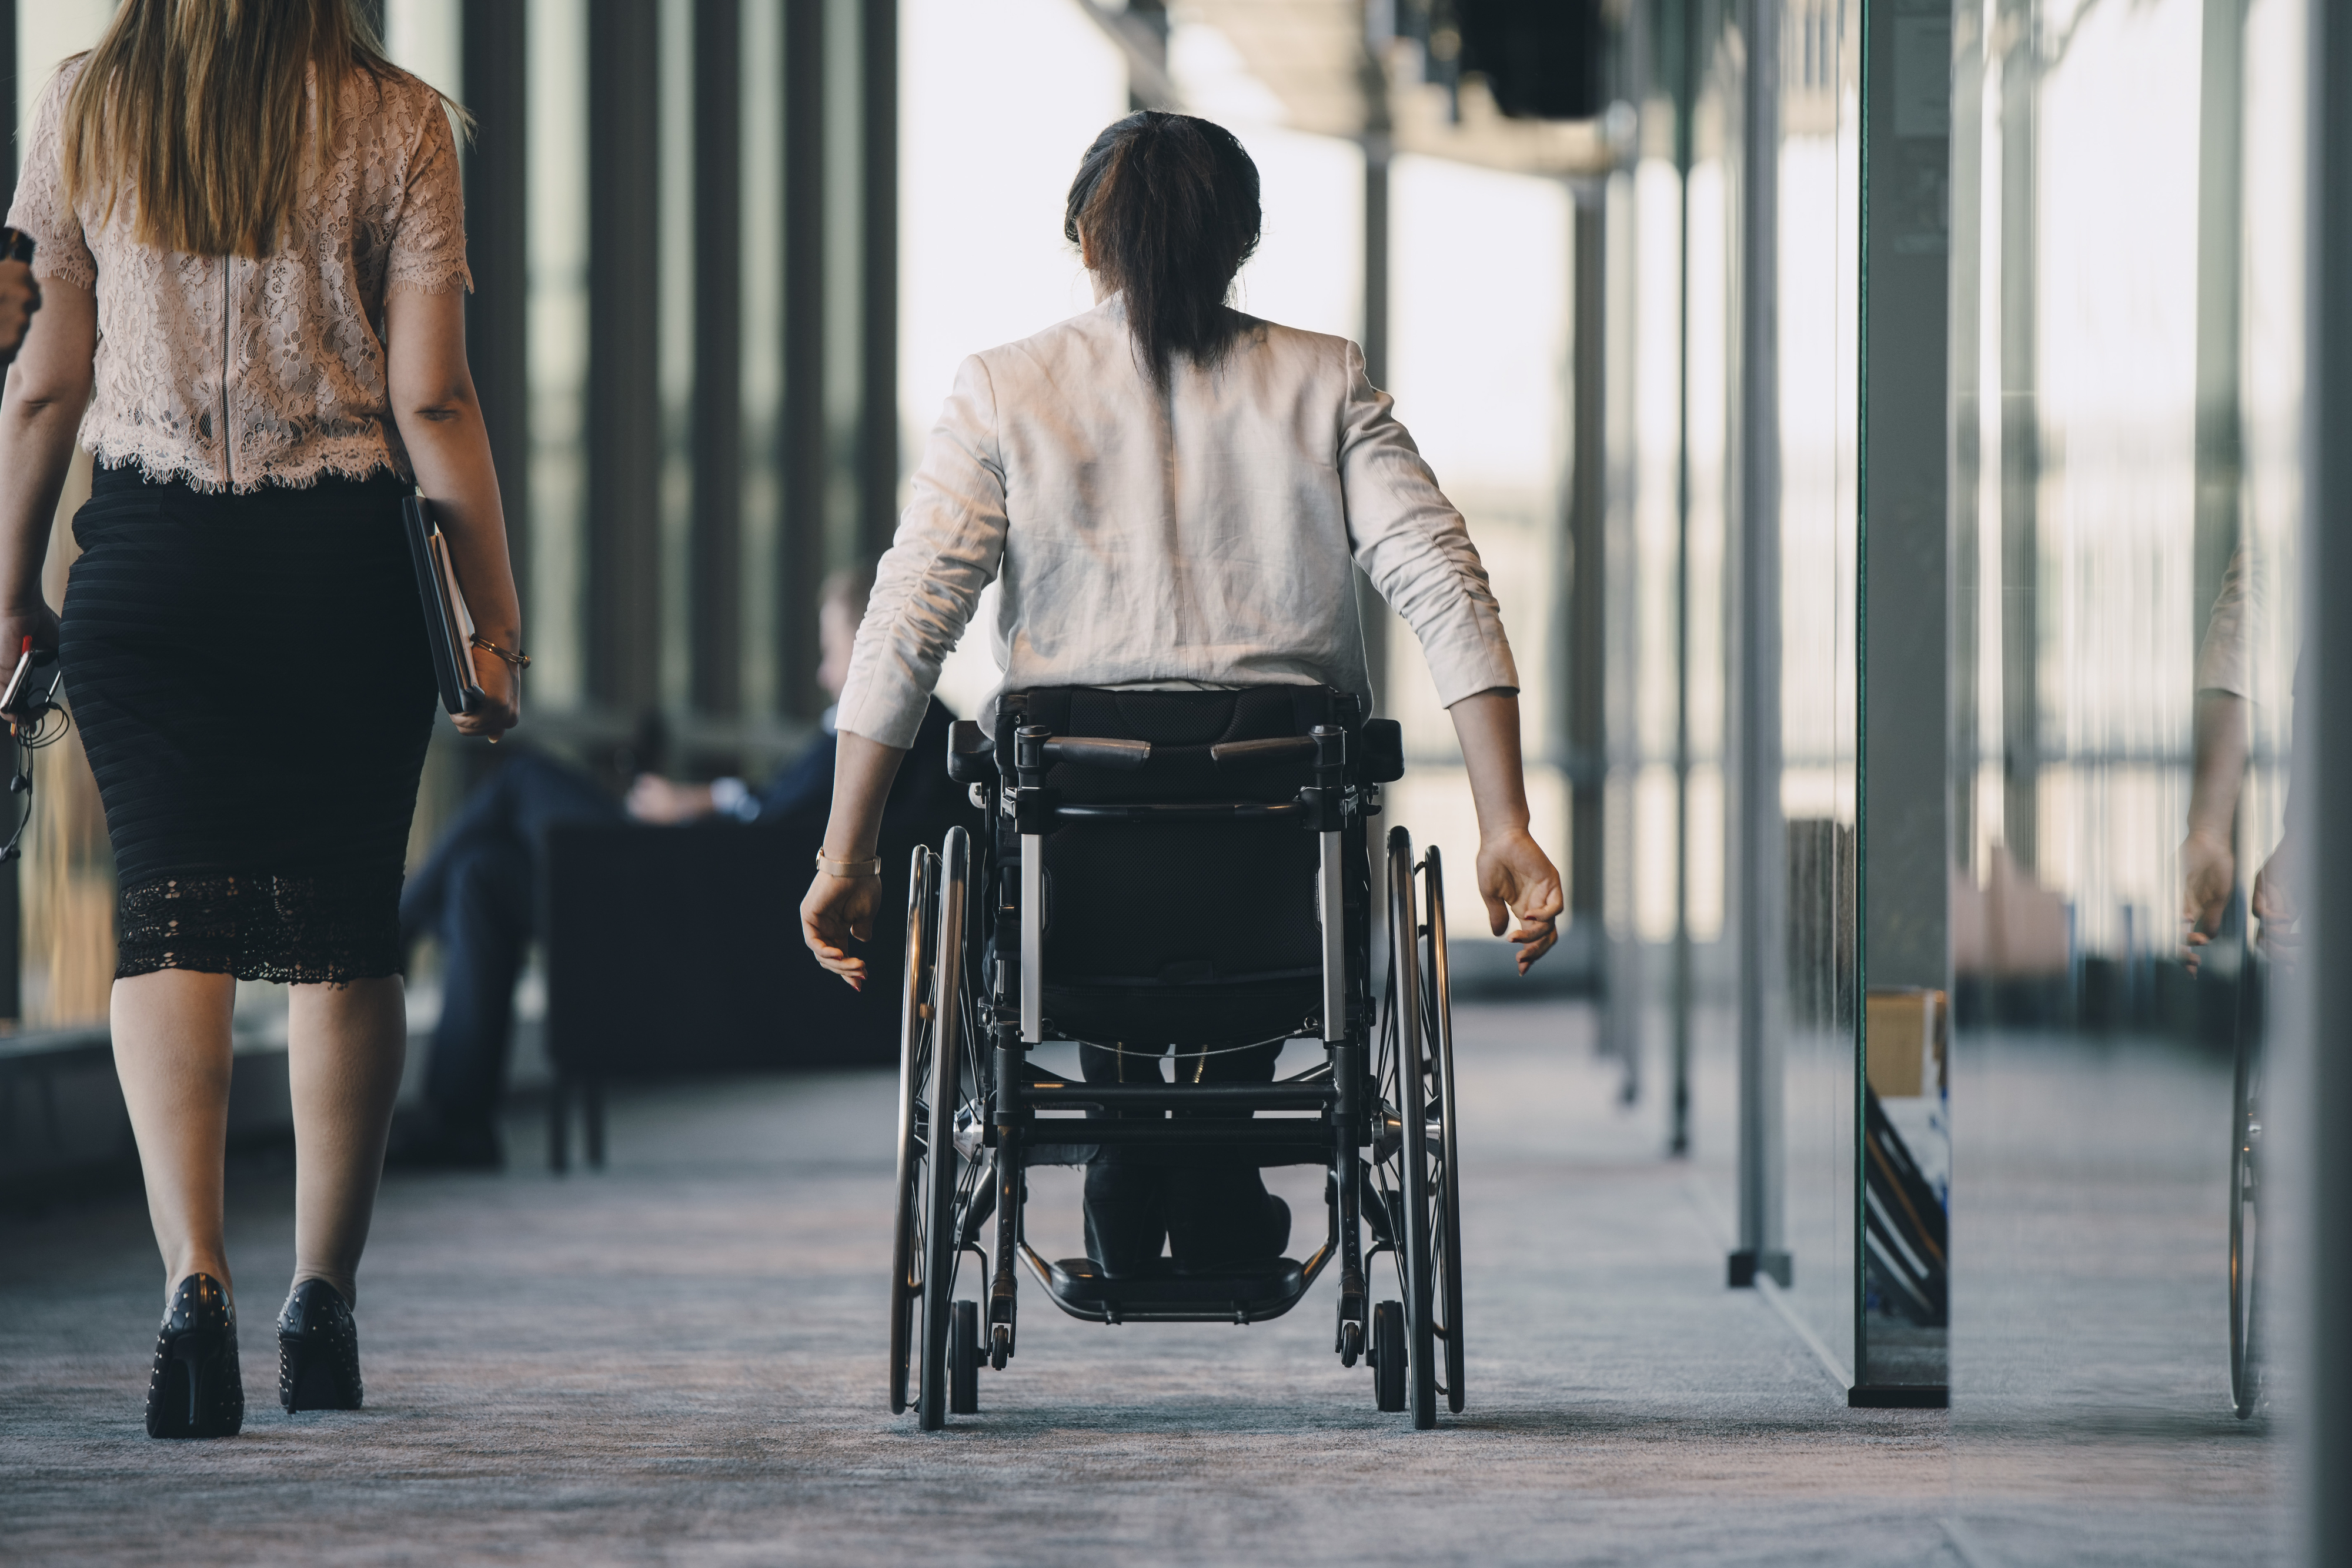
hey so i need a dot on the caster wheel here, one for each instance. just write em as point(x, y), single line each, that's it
point(1352, 1342)
point(1000, 1346)
point(1387, 1354)
point(963, 1361)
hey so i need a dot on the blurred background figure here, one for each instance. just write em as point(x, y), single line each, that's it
point(479, 894)
point(20, 296)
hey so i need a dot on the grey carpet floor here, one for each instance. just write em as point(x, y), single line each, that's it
point(680, 1359)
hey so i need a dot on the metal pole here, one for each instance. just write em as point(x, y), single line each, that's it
point(1757, 825)
point(1684, 87)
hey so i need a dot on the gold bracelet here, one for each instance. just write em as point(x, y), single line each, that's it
point(848, 869)
point(519, 661)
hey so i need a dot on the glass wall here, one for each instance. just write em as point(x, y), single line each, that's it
point(2127, 369)
point(1817, 322)
point(1743, 674)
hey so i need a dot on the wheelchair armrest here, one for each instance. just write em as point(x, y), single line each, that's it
point(972, 755)
point(1383, 750)
point(1089, 752)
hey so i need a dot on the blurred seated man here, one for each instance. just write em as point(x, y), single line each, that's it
point(478, 890)
point(20, 296)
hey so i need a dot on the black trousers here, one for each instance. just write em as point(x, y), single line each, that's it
point(1209, 1208)
point(479, 894)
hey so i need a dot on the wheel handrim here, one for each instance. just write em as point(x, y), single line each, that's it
point(939, 1170)
point(1447, 1221)
point(914, 1068)
point(1412, 1106)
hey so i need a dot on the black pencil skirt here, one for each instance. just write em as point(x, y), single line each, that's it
point(250, 678)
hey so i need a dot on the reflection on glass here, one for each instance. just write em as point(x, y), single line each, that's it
point(2127, 309)
point(1819, 312)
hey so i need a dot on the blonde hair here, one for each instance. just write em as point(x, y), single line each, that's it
point(197, 110)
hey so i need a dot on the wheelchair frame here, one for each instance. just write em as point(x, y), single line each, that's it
point(973, 1114)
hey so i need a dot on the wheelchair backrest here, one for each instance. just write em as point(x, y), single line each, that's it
point(1193, 903)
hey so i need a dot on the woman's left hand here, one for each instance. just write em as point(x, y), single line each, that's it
point(838, 910)
point(1516, 877)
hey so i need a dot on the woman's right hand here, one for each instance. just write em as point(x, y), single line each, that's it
point(36, 621)
point(501, 687)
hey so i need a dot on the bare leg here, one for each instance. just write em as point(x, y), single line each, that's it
point(344, 1049)
point(172, 1054)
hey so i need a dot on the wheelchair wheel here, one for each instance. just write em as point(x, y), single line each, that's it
point(2245, 1223)
point(907, 1254)
point(1405, 1084)
point(1387, 1356)
point(1445, 1223)
point(963, 1361)
point(948, 1179)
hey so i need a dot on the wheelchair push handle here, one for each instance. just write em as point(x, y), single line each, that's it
point(1263, 753)
point(1090, 751)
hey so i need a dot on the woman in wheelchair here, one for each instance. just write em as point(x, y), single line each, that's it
point(1172, 498)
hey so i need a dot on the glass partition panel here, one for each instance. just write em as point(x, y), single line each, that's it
point(1818, 316)
point(2127, 221)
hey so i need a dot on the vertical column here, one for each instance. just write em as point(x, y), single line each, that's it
point(494, 89)
point(622, 639)
point(1758, 871)
point(2020, 444)
point(1679, 66)
point(800, 554)
point(716, 438)
point(877, 437)
point(1583, 688)
point(1905, 645)
point(1964, 217)
point(1905, 658)
point(2220, 148)
point(2324, 770)
point(761, 313)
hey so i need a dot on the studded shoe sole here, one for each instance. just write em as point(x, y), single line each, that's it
point(195, 1389)
point(318, 1351)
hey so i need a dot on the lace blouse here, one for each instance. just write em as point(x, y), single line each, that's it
point(232, 373)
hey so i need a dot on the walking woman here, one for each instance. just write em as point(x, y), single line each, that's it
point(252, 253)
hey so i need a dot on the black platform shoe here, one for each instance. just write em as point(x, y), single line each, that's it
point(318, 1351)
point(195, 1390)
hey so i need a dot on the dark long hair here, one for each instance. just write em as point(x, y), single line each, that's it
point(1168, 206)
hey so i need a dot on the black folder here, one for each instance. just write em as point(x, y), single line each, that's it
point(448, 626)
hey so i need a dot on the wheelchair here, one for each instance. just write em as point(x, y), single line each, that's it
point(1190, 869)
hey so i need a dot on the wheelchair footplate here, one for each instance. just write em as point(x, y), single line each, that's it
point(1250, 1293)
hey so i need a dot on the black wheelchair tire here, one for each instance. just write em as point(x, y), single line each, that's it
point(939, 1171)
point(963, 1360)
point(1413, 1088)
point(2245, 1211)
point(1439, 991)
point(914, 1071)
point(1387, 1356)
